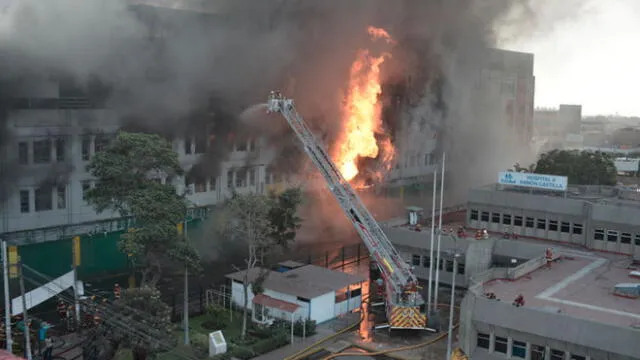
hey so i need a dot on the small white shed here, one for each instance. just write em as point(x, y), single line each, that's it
point(306, 292)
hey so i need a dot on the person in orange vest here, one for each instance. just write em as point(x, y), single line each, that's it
point(116, 291)
point(548, 254)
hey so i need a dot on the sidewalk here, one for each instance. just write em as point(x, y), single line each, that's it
point(322, 332)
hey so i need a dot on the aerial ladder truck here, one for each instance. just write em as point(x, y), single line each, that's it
point(403, 303)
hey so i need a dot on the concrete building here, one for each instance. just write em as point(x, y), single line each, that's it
point(300, 291)
point(569, 312)
point(599, 218)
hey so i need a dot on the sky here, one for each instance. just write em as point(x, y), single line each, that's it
point(591, 58)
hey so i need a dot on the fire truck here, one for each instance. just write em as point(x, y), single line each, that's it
point(403, 303)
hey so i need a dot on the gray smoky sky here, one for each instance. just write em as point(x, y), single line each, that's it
point(162, 62)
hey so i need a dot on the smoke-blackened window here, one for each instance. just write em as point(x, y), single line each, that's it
point(241, 178)
point(61, 149)
point(62, 197)
point(101, 142)
point(44, 198)
point(25, 204)
point(188, 146)
point(86, 148)
point(213, 182)
point(230, 178)
point(42, 151)
point(241, 145)
point(23, 152)
point(200, 144)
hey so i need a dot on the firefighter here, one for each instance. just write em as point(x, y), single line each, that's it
point(548, 254)
point(518, 301)
point(461, 231)
point(62, 310)
point(116, 291)
point(485, 234)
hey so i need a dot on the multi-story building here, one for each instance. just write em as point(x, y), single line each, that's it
point(558, 128)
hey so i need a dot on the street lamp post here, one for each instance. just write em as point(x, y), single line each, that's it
point(455, 256)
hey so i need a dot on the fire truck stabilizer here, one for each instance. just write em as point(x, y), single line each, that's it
point(403, 302)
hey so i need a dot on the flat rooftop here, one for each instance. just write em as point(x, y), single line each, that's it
point(309, 281)
point(579, 285)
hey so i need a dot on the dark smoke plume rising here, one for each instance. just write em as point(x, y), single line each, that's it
point(172, 72)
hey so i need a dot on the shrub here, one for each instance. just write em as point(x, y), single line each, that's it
point(241, 352)
point(309, 328)
point(200, 342)
point(218, 318)
point(263, 346)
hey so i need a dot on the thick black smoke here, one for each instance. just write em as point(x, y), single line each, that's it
point(178, 71)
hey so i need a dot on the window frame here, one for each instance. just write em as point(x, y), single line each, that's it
point(506, 219)
point(599, 234)
point(565, 227)
point(484, 216)
point(23, 153)
point(416, 259)
point(611, 236)
point(498, 340)
point(61, 197)
point(60, 145)
point(480, 340)
point(426, 262)
point(518, 220)
point(538, 350)
point(577, 228)
point(474, 215)
point(555, 354)
point(231, 174)
point(553, 225)
point(25, 209)
point(86, 148)
point(519, 345)
point(637, 240)
point(529, 222)
point(625, 238)
point(40, 156)
point(496, 217)
point(43, 196)
point(541, 224)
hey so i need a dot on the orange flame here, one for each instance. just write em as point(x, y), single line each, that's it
point(361, 114)
point(377, 33)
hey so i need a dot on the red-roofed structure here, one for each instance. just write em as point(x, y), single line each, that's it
point(269, 302)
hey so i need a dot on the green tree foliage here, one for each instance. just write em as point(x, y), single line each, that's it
point(283, 215)
point(581, 167)
point(140, 321)
point(127, 172)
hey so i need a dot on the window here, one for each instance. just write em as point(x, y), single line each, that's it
point(251, 145)
point(578, 357)
point(61, 192)
point(23, 152)
point(500, 345)
point(483, 341)
point(44, 199)
point(529, 222)
point(415, 260)
point(301, 299)
point(427, 160)
point(556, 355)
point(519, 349)
point(517, 221)
point(200, 185)
point(426, 262)
point(625, 238)
point(473, 215)
point(25, 204)
point(553, 225)
point(355, 292)
point(86, 148)
point(598, 234)
point(42, 151)
point(612, 236)
point(495, 218)
point(460, 268)
point(213, 182)
point(565, 227)
point(506, 219)
point(188, 144)
point(252, 177)
point(61, 149)
point(258, 310)
point(241, 146)
point(230, 175)
point(449, 266)
point(484, 216)
point(577, 229)
point(241, 178)
point(201, 144)
point(86, 186)
point(541, 224)
point(537, 352)
point(637, 239)
point(101, 142)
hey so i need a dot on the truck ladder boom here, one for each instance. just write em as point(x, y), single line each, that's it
point(394, 268)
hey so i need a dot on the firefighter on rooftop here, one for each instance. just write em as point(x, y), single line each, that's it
point(116, 291)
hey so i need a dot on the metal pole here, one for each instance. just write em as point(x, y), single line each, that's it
point(186, 294)
point(25, 316)
point(433, 224)
point(451, 305)
point(437, 284)
point(7, 298)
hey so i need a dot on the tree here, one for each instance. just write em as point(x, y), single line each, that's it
point(245, 218)
point(127, 174)
point(283, 215)
point(141, 321)
point(581, 167)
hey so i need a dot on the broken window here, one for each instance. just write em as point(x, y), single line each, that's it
point(44, 199)
point(42, 151)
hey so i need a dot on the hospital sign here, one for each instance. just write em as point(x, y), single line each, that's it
point(530, 180)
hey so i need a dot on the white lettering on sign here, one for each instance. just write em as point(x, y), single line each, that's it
point(537, 181)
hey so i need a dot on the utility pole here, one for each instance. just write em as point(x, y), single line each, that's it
point(186, 292)
point(25, 317)
point(76, 262)
point(437, 285)
point(7, 297)
point(452, 304)
point(433, 224)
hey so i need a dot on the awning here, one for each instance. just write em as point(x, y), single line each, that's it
point(268, 301)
